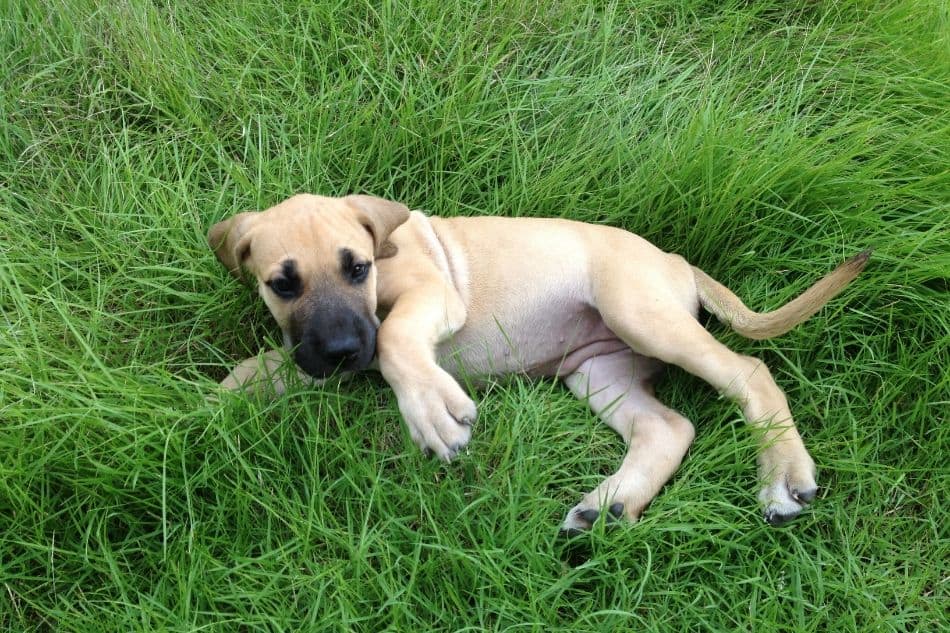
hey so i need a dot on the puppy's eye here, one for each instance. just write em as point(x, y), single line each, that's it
point(352, 270)
point(359, 272)
point(284, 287)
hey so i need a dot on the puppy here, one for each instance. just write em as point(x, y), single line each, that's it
point(360, 280)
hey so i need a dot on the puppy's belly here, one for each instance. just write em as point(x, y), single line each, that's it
point(534, 342)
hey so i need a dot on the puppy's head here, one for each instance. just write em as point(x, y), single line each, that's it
point(312, 258)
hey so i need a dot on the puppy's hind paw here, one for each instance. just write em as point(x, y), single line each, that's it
point(782, 503)
point(581, 518)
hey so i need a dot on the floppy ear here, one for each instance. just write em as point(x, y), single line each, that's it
point(230, 241)
point(380, 217)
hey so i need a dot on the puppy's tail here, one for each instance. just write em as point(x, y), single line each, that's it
point(729, 309)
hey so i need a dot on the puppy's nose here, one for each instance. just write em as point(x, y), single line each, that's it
point(342, 349)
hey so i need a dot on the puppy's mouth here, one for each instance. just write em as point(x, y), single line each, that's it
point(333, 342)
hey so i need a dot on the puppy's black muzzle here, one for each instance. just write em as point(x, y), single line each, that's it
point(334, 340)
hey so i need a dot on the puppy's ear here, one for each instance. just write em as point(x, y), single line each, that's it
point(380, 217)
point(230, 241)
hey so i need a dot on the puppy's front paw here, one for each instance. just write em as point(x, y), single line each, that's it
point(789, 486)
point(439, 415)
point(264, 373)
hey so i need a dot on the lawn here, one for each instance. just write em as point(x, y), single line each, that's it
point(764, 141)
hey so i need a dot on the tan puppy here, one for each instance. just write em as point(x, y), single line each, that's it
point(475, 297)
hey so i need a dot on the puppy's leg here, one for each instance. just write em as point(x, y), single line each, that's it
point(618, 390)
point(437, 411)
point(262, 373)
point(668, 332)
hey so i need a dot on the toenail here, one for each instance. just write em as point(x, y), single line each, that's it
point(616, 510)
point(807, 495)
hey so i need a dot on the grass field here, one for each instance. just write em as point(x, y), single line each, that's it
point(764, 141)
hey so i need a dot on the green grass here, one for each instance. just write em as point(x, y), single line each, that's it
point(765, 141)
